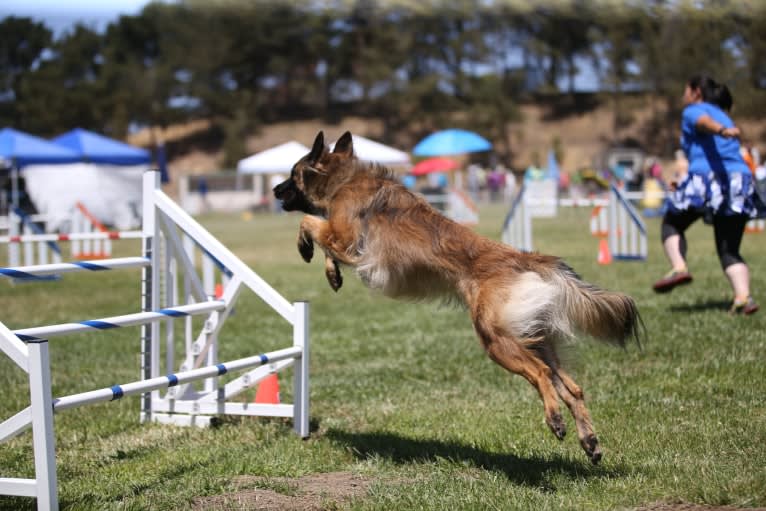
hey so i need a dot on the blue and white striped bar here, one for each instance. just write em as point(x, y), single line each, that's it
point(33, 272)
point(171, 380)
point(139, 318)
point(75, 236)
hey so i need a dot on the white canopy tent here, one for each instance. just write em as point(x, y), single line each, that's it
point(277, 160)
point(112, 193)
point(371, 151)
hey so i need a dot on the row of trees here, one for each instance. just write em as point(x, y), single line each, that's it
point(412, 64)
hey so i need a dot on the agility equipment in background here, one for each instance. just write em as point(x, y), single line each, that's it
point(171, 290)
point(615, 220)
point(24, 231)
point(461, 208)
point(84, 221)
point(27, 240)
point(755, 226)
point(599, 223)
point(627, 231)
point(604, 254)
point(517, 227)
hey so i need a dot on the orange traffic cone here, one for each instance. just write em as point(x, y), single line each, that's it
point(604, 255)
point(268, 390)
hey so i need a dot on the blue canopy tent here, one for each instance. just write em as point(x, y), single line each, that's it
point(18, 149)
point(94, 148)
point(107, 181)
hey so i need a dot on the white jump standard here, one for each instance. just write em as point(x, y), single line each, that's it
point(171, 291)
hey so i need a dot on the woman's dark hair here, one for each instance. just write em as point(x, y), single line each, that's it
point(712, 91)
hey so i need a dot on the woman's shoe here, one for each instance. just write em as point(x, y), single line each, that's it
point(672, 279)
point(746, 307)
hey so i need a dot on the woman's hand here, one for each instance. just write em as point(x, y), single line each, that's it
point(732, 132)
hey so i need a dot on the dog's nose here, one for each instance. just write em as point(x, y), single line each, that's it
point(279, 189)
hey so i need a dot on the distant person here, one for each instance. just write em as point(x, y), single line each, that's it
point(202, 189)
point(718, 187)
point(653, 190)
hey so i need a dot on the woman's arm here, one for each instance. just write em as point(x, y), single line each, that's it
point(707, 124)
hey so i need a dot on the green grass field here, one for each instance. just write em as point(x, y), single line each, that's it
point(403, 396)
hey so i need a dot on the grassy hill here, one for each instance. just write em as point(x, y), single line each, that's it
point(581, 127)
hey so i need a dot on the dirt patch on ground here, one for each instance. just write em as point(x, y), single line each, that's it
point(682, 506)
point(308, 493)
point(318, 492)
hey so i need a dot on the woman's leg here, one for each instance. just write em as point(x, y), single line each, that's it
point(728, 238)
point(675, 250)
point(674, 225)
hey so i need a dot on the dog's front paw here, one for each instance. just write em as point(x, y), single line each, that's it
point(332, 272)
point(306, 248)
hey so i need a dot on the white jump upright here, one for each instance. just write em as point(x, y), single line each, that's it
point(171, 290)
point(627, 231)
point(517, 227)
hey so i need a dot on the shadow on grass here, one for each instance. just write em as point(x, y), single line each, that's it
point(533, 471)
point(702, 306)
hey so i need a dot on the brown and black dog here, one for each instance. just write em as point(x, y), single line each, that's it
point(522, 304)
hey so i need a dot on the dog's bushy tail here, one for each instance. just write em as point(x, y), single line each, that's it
point(608, 316)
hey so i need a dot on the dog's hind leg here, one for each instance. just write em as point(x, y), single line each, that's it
point(516, 356)
point(573, 396)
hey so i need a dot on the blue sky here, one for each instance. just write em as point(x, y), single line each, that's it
point(60, 15)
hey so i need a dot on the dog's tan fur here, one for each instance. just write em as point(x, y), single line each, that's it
point(522, 304)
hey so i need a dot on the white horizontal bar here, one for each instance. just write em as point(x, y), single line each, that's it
point(16, 424)
point(75, 236)
point(583, 202)
point(247, 380)
point(179, 419)
point(139, 318)
point(213, 408)
point(93, 265)
point(18, 487)
point(139, 387)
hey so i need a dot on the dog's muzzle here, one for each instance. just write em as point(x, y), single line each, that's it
point(292, 198)
point(282, 188)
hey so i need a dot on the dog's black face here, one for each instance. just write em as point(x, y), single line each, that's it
point(293, 199)
point(293, 191)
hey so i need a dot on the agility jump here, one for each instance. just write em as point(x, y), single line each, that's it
point(88, 238)
point(615, 219)
point(169, 276)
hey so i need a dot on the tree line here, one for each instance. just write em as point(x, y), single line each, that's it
point(415, 65)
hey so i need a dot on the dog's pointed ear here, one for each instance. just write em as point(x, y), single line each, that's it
point(318, 149)
point(344, 145)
